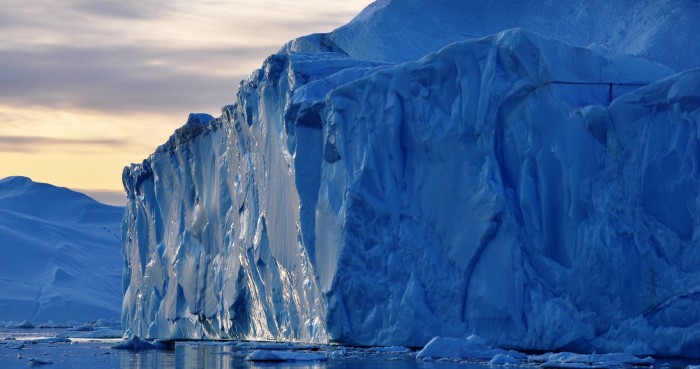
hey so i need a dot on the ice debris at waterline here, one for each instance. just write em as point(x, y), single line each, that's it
point(234, 354)
point(276, 356)
point(541, 194)
point(580, 361)
point(35, 361)
point(136, 343)
point(456, 348)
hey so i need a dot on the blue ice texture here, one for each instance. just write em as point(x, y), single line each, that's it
point(525, 171)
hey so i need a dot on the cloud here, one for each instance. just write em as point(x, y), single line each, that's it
point(118, 76)
point(123, 79)
point(123, 9)
point(164, 57)
point(30, 144)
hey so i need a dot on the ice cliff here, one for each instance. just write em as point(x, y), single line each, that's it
point(540, 194)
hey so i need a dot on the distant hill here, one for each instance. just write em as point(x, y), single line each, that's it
point(61, 255)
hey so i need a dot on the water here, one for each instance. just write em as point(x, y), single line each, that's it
point(17, 351)
point(190, 355)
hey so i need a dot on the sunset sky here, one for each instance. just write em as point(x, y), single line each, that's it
point(89, 86)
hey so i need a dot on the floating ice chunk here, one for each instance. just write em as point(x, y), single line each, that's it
point(477, 340)
point(50, 340)
point(25, 324)
point(571, 360)
point(391, 349)
point(559, 365)
point(275, 355)
point(266, 345)
point(56, 325)
point(82, 328)
point(456, 348)
point(14, 345)
point(502, 359)
point(339, 354)
point(135, 343)
point(49, 324)
point(35, 361)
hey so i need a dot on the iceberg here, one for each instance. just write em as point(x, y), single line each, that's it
point(542, 193)
point(61, 255)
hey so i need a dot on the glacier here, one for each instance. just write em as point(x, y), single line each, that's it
point(390, 182)
point(61, 254)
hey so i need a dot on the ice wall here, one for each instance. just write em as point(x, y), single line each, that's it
point(215, 234)
point(538, 194)
point(488, 189)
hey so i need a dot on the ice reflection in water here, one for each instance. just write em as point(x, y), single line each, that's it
point(222, 355)
point(227, 357)
point(202, 356)
point(217, 356)
point(152, 359)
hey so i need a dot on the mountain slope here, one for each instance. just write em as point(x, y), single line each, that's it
point(61, 257)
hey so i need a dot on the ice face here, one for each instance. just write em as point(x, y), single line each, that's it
point(539, 194)
point(482, 168)
point(219, 223)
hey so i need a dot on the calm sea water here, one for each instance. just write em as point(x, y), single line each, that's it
point(190, 355)
point(17, 352)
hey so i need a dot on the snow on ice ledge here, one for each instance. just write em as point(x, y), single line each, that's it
point(513, 186)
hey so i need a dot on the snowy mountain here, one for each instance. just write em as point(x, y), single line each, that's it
point(403, 177)
point(61, 256)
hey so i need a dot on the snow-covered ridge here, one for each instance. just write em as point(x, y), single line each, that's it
point(658, 30)
point(61, 254)
point(541, 195)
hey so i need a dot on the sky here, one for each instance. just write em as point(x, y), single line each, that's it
point(90, 86)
